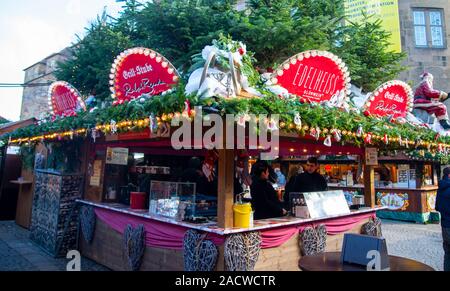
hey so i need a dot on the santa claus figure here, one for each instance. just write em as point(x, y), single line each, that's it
point(428, 99)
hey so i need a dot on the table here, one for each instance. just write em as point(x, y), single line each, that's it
point(331, 261)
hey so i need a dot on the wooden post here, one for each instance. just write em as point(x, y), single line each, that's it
point(369, 185)
point(225, 188)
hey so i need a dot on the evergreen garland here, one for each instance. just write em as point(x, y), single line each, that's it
point(312, 116)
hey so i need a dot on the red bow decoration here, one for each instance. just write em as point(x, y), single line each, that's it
point(368, 138)
point(187, 108)
point(208, 165)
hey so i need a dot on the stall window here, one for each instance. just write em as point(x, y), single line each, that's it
point(429, 29)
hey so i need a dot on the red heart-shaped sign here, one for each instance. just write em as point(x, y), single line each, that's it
point(394, 98)
point(313, 76)
point(139, 71)
point(64, 99)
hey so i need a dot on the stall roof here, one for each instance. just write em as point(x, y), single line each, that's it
point(12, 126)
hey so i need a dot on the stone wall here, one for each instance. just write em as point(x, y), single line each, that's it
point(419, 60)
point(35, 98)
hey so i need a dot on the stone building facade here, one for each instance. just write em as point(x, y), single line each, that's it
point(38, 78)
point(425, 31)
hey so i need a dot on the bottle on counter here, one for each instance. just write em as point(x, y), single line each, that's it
point(350, 178)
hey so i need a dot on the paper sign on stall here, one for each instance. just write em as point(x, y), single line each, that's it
point(97, 171)
point(117, 156)
point(328, 203)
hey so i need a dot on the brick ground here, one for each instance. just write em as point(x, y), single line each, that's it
point(421, 242)
point(18, 253)
point(415, 241)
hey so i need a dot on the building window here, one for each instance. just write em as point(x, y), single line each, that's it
point(429, 28)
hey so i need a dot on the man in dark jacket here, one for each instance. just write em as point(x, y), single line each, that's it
point(443, 206)
point(265, 201)
point(310, 180)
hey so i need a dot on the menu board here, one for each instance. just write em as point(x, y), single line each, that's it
point(96, 174)
point(328, 203)
point(371, 156)
point(117, 156)
point(403, 175)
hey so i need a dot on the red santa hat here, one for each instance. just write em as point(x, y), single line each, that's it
point(426, 75)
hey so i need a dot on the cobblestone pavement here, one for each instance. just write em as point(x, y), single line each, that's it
point(420, 242)
point(18, 253)
point(415, 241)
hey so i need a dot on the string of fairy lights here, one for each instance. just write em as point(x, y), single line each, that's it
point(303, 130)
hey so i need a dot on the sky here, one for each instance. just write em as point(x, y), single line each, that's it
point(31, 30)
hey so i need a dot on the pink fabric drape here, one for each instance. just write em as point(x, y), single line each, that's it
point(158, 234)
point(169, 236)
point(276, 237)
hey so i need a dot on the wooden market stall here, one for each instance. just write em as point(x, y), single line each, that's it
point(406, 186)
point(137, 211)
point(165, 238)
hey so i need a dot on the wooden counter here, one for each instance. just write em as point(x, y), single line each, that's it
point(107, 246)
point(406, 204)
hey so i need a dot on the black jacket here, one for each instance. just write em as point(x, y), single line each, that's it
point(443, 201)
point(303, 183)
point(265, 201)
point(306, 182)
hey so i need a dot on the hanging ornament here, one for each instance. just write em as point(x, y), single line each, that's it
point(113, 125)
point(406, 142)
point(315, 132)
point(297, 120)
point(153, 123)
point(327, 141)
point(440, 148)
point(337, 135)
point(94, 134)
point(187, 108)
point(418, 142)
point(368, 138)
point(71, 135)
point(386, 139)
point(360, 131)
point(59, 137)
point(429, 147)
point(242, 118)
point(272, 125)
point(400, 141)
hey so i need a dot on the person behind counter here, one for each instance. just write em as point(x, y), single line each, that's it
point(310, 180)
point(194, 174)
point(265, 201)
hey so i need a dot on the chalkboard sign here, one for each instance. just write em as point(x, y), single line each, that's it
point(328, 203)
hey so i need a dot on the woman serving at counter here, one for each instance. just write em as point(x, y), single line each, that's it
point(265, 201)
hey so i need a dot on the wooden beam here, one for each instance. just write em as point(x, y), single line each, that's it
point(369, 185)
point(225, 188)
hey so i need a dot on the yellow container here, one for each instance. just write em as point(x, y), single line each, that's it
point(242, 214)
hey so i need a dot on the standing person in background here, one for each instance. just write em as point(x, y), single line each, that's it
point(311, 180)
point(293, 172)
point(281, 179)
point(443, 206)
point(265, 201)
